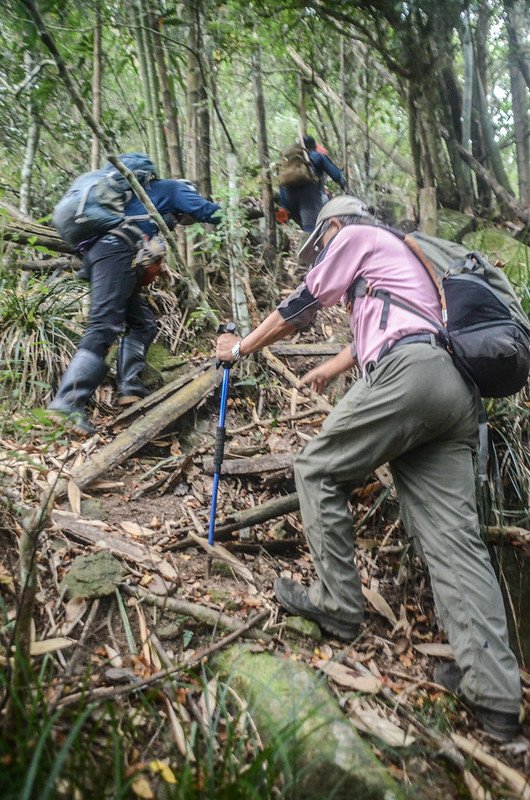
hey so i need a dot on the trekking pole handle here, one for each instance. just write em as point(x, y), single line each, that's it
point(227, 327)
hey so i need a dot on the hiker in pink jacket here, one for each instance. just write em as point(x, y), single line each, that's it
point(413, 409)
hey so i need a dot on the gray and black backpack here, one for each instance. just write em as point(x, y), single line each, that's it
point(485, 328)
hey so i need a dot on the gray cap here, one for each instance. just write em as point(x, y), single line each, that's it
point(342, 205)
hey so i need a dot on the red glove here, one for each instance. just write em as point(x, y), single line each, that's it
point(282, 216)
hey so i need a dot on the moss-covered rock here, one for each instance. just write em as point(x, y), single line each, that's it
point(498, 245)
point(303, 627)
point(453, 225)
point(93, 576)
point(294, 710)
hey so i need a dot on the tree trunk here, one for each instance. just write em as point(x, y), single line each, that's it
point(152, 78)
point(506, 199)
point(516, 16)
point(343, 91)
point(149, 112)
point(302, 108)
point(493, 152)
point(170, 111)
point(198, 112)
point(512, 24)
point(236, 261)
point(32, 141)
point(96, 85)
point(267, 195)
point(428, 210)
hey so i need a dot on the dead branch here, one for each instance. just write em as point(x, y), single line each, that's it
point(251, 516)
point(201, 613)
point(106, 692)
point(137, 552)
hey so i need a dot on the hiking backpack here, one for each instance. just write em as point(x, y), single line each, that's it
point(95, 202)
point(485, 328)
point(294, 167)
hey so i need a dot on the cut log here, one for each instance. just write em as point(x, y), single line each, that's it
point(146, 428)
point(253, 466)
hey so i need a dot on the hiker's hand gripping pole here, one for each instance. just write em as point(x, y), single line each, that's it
point(220, 434)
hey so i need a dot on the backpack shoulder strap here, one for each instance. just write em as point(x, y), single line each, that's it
point(413, 245)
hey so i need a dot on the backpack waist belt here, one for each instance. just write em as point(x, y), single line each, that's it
point(414, 338)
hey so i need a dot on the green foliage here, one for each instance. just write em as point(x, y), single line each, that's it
point(39, 327)
point(91, 750)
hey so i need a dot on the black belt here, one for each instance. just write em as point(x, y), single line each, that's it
point(414, 338)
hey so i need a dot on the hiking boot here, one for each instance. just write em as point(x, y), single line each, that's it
point(501, 725)
point(294, 598)
point(130, 363)
point(448, 674)
point(81, 379)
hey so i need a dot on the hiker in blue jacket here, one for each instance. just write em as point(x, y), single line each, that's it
point(116, 302)
point(305, 201)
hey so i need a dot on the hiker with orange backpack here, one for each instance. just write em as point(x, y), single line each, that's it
point(414, 409)
point(301, 172)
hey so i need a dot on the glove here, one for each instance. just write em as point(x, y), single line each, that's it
point(282, 216)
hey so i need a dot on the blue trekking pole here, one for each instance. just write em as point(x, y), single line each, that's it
point(220, 434)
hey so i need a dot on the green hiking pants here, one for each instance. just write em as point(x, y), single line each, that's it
point(416, 412)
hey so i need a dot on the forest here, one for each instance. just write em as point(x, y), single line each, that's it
point(144, 652)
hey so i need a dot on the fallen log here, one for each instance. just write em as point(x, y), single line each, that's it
point(305, 349)
point(51, 264)
point(22, 232)
point(323, 749)
point(155, 398)
point(146, 428)
point(245, 519)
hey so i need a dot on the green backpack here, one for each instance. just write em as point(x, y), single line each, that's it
point(294, 167)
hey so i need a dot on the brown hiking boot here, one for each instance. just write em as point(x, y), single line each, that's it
point(294, 598)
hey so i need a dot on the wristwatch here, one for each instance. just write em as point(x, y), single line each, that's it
point(236, 355)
